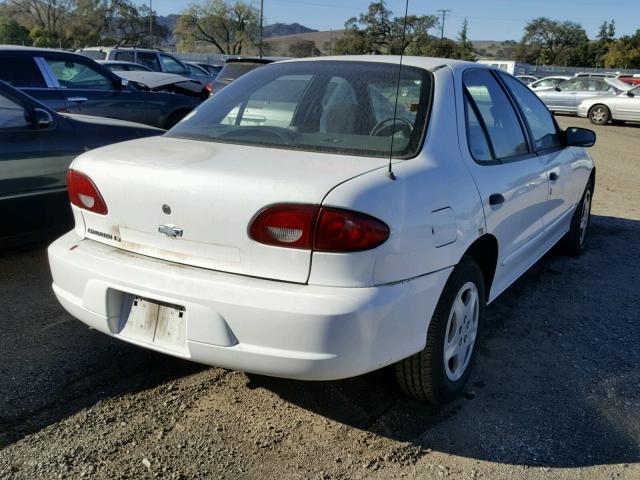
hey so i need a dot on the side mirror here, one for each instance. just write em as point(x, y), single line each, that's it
point(580, 137)
point(558, 89)
point(42, 119)
point(631, 94)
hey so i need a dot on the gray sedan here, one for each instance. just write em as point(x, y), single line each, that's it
point(566, 97)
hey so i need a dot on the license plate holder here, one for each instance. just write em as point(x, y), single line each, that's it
point(160, 324)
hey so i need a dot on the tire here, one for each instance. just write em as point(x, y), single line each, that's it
point(600, 115)
point(574, 242)
point(427, 376)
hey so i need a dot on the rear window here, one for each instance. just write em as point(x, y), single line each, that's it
point(95, 54)
point(320, 106)
point(234, 70)
point(21, 72)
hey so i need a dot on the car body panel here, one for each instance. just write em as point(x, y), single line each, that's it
point(566, 97)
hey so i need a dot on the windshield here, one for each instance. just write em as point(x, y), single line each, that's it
point(319, 106)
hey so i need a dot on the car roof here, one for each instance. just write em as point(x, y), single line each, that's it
point(426, 63)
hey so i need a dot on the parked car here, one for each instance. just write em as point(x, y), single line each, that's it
point(628, 78)
point(624, 107)
point(234, 68)
point(213, 70)
point(527, 79)
point(196, 69)
point(548, 82)
point(164, 82)
point(595, 75)
point(153, 58)
point(566, 97)
point(123, 66)
point(68, 82)
point(37, 145)
point(351, 238)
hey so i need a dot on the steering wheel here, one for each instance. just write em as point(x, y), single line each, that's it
point(391, 123)
point(285, 136)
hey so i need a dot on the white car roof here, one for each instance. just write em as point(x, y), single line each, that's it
point(427, 63)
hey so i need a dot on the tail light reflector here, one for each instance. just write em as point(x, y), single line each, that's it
point(84, 194)
point(322, 229)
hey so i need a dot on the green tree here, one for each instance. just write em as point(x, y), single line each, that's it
point(12, 33)
point(551, 42)
point(464, 49)
point(303, 49)
point(377, 31)
point(229, 25)
point(624, 53)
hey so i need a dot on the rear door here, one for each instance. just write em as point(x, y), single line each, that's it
point(546, 139)
point(89, 90)
point(626, 107)
point(511, 179)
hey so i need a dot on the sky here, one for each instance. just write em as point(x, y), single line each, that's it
point(488, 19)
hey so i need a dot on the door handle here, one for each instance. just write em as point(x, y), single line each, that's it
point(496, 199)
point(77, 99)
point(554, 176)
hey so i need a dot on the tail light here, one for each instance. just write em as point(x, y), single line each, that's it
point(322, 229)
point(84, 194)
point(208, 87)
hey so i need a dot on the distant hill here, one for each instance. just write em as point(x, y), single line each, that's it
point(284, 29)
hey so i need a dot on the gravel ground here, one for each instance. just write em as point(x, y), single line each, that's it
point(555, 392)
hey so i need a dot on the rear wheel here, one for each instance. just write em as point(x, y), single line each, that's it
point(439, 373)
point(575, 240)
point(174, 118)
point(599, 115)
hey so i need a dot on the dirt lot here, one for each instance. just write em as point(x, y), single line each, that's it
point(555, 393)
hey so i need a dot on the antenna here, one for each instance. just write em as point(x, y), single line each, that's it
point(390, 173)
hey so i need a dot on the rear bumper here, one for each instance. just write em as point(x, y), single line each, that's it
point(273, 328)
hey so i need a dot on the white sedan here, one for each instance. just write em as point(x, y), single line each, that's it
point(624, 107)
point(371, 228)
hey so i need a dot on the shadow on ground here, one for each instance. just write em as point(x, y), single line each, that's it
point(557, 378)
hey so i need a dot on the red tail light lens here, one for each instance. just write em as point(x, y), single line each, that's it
point(209, 86)
point(346, 231)
point(321, 229)
point(84, 194)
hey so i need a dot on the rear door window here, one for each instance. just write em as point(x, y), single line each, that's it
point(21, 72)
point(171, 65)
point(125, 56)
point(149, 59)
point(543, 128)
point(77, 75)
point(496, 112)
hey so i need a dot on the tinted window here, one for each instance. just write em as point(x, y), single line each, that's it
point(94, 54)
point(234, 70)
point(497, 114)
point(171, 65)
point(125, 56)
point(150, 60)
point(541, 123)
point(72, 74)
point(21, 72)
point(316, 106)
point(571, 85)
point(12, 115)
point(478, 144)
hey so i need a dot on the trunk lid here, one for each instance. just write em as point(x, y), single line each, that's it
point(210, 192)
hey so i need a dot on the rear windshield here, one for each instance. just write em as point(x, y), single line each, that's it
point(234, 70)
point(320, 106)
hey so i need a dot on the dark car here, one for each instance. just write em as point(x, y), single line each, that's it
point(213, 70)
point(234, 69)
point(68, 82)
point(36, 146)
